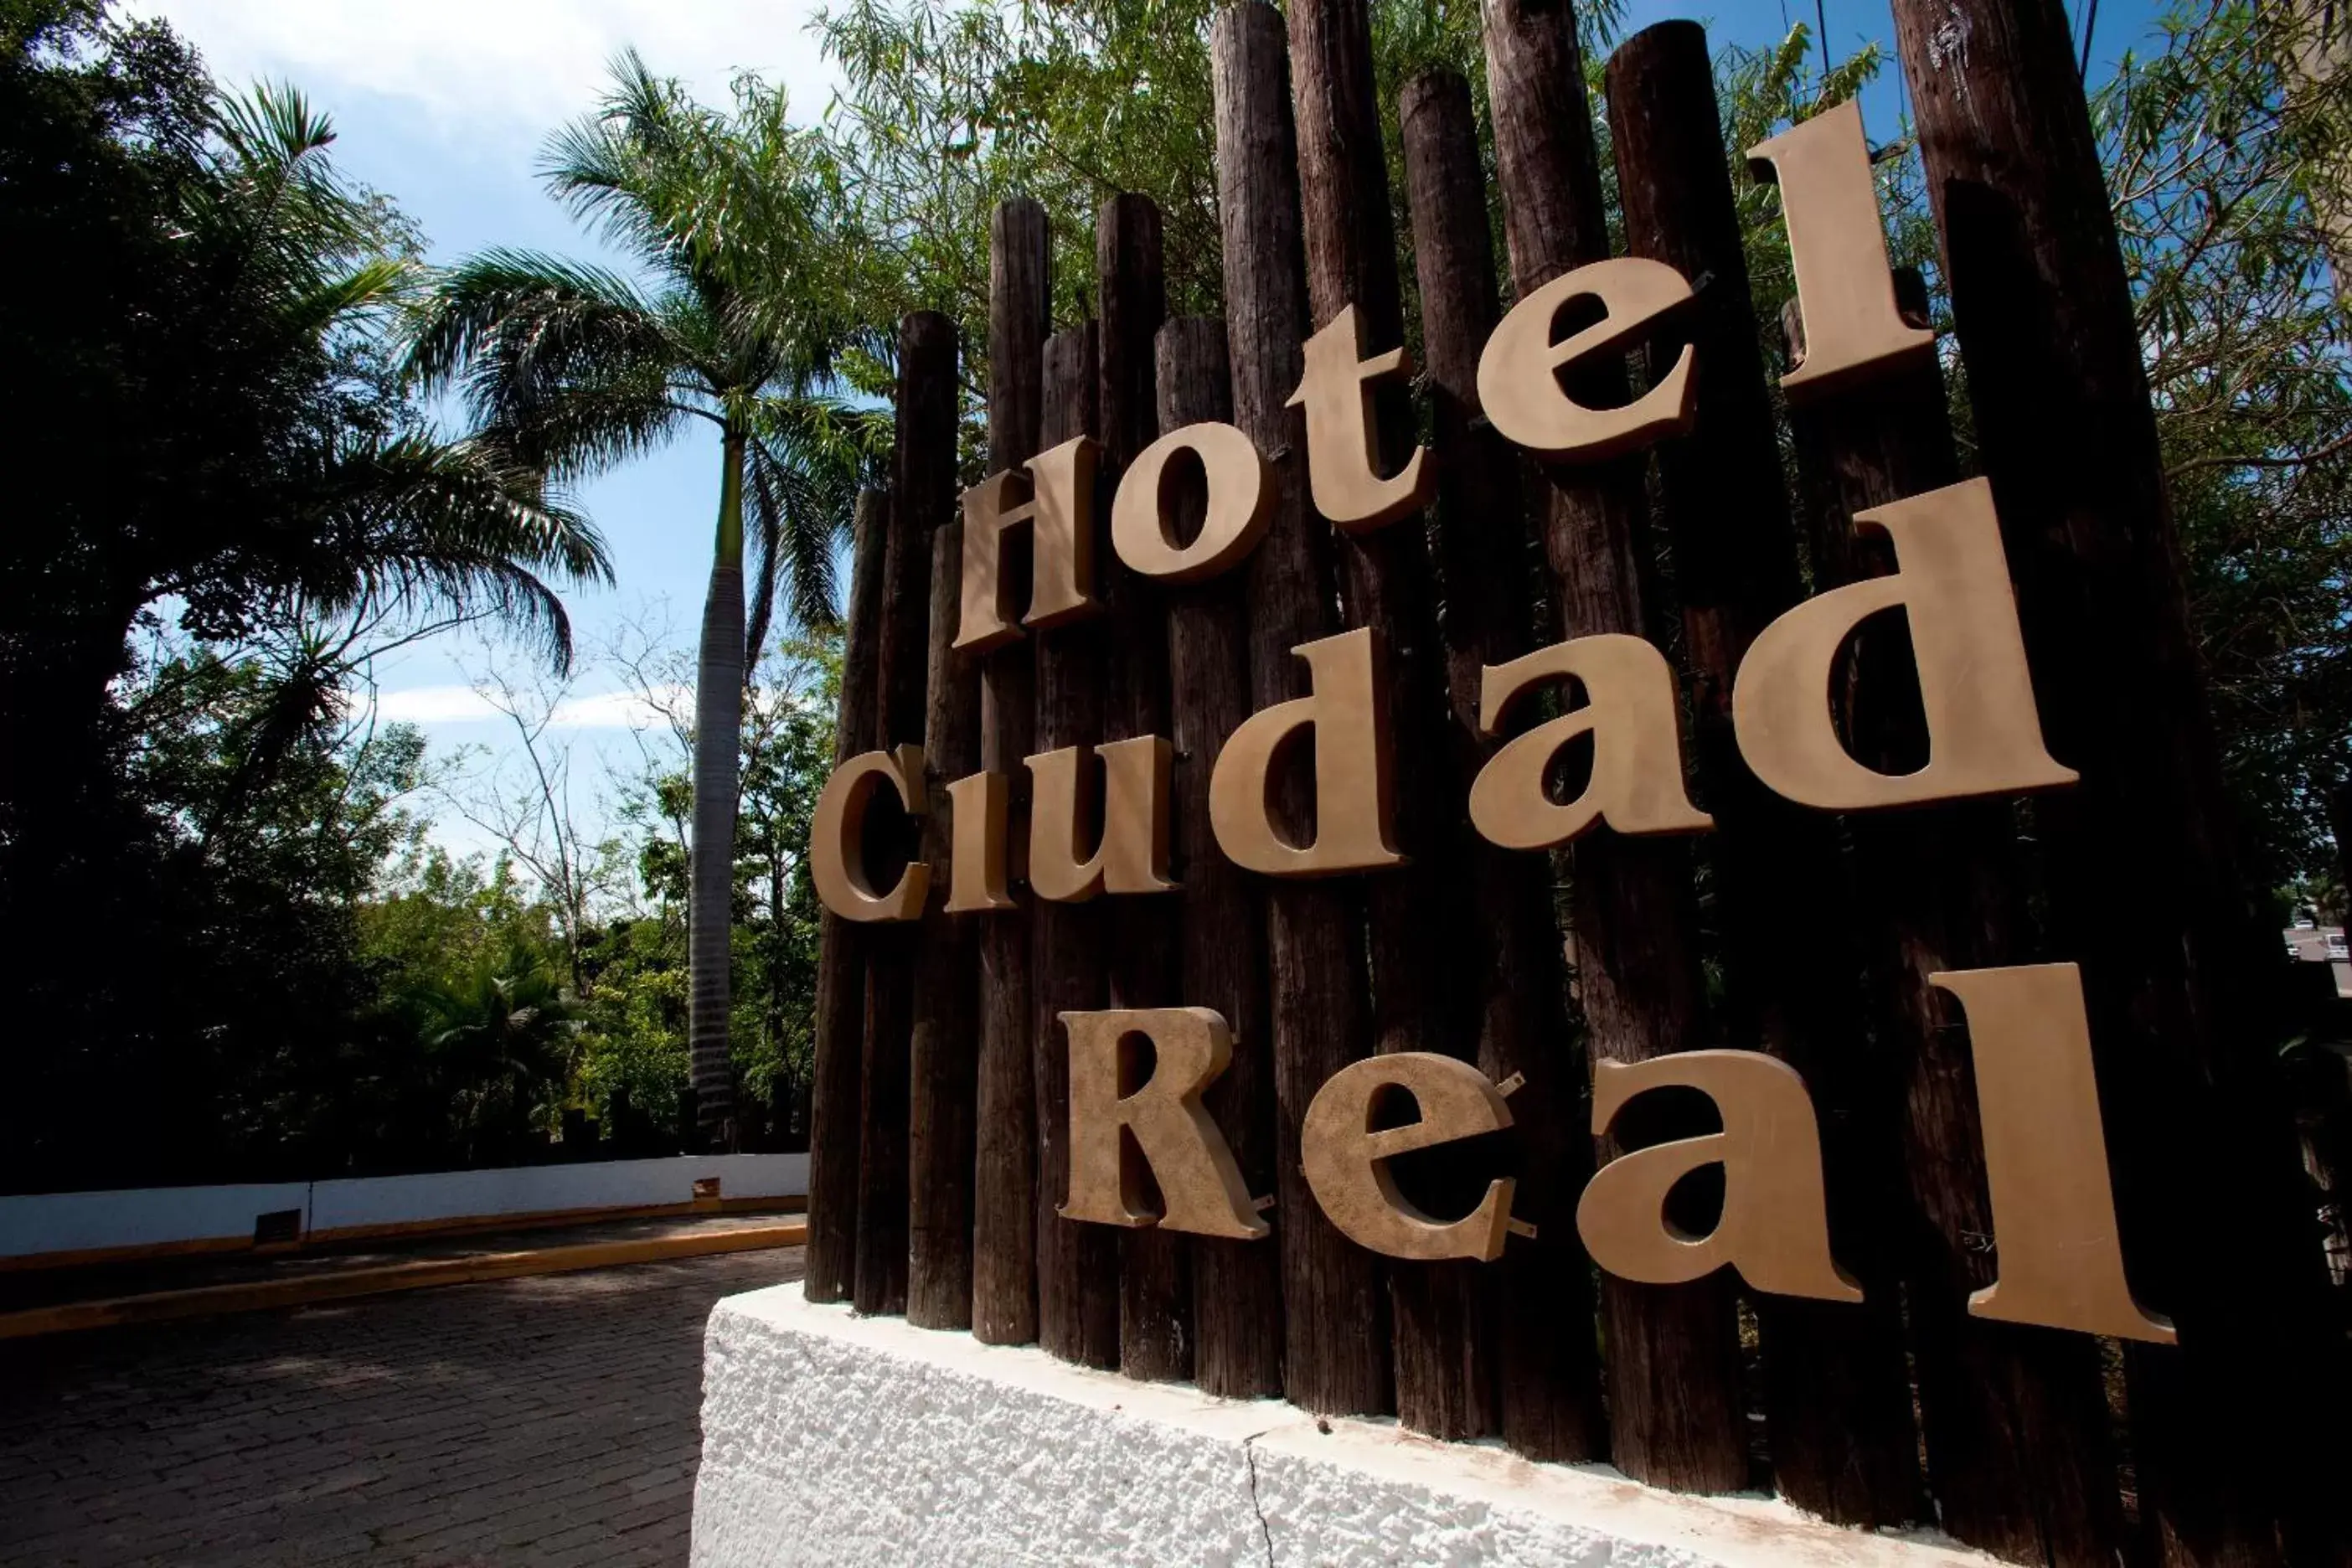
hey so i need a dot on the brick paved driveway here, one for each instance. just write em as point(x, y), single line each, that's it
point(538, 1421)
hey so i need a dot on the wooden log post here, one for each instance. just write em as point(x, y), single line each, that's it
point(1236, 1285)
point(1672, 1369)
point(926, 406)
point(1447, 1383)
point(2019, 1453)
point(942, 1105)
point(1335, 1312)
point(1155, 1307)
point(832, 1266)
point(2238, 1438)
point(1837, 1391)
point(1005, 1207)
point(1077, 1264)
point(1550, 1371)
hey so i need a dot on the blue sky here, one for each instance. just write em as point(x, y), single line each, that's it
point(445, 105)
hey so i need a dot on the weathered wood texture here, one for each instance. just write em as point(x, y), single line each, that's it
point(1236, 1285)
point(1671, 1367)
point(831, 1267)
point(1335, 1312)
point(2143, 881)
point(921, 492)
point(1447, 1383)
point(1837, 1391)
point(2019, 1453)
point(1550, 1395)
point(1004, 1208)
point(1155, 1306)
point(1077, 1265)
point(944, 1079)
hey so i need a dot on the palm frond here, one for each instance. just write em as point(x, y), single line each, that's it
point(455, 528)
point(807, 460)
point(566, 368)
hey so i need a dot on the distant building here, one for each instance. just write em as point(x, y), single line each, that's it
point(2311, 943)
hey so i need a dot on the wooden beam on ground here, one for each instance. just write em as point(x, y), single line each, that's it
point(1837, 1389)
point(2237, 1442)
point(1077, 1265)
point(1236, 1285)
point(1672, 1370)
point(1447, 1383)
point(1550, 1393)
point(1004, 1207)
point(1334, 1312)
point(2019, 1453)
point(1155, 1275)
point(944, 1068)
point(840, 1021)
point(926, 398)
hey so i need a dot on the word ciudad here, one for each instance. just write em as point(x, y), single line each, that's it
point(2059, 1262)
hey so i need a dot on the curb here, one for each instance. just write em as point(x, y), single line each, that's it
point(265, 1295)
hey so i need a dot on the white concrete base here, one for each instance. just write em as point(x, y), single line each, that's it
point(830, 1439)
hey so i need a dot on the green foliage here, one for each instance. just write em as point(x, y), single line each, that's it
point(569, 370)
point(2229, 154)
point(223, 493)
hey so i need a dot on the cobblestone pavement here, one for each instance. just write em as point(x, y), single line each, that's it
point(537, 1421)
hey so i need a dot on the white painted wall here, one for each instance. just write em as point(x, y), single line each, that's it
point(80, 1222)
point(829, 1438)
point(539, 1189)
point(155, 1217)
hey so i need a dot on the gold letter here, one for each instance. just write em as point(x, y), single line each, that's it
point(2053, 1213)
point(1199, 1186)
point(1337, 392)
point(837, 854)
point(1349, 715)
point(1060, 515)
point(1984, 736)
point(1518, 384)
point(1132, 855)
point(1346, 1162)
point(1240, 504)
point(1845, 292)
point(1637, 765)
point(977, 808)
point(1774, 1229)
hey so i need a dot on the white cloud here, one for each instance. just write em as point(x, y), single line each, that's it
point(596, 711)
point(506, 70)
point(434, 705)
point(622, 710)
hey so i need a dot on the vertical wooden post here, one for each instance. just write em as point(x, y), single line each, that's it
point(1837, 1393)
point(1236, 1285)
point(1155, 1275)
point(2018, 1451)
point(1671, 1367)
point(832, 1266)
point(927, 406)
point(2240, 1426)
point(1446, 1380)
point(1335, 1327)
point(1005, 1207)
point(1550, 1371)
point(941, 1106)
point(1077, 1265)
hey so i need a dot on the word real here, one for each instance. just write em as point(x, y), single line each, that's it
point(2060, 1263)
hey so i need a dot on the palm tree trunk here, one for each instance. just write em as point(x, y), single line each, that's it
point(718, 738)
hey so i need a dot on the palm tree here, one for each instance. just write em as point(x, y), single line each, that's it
point(573, 369)
point(497, 1042)
point(264, 464)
